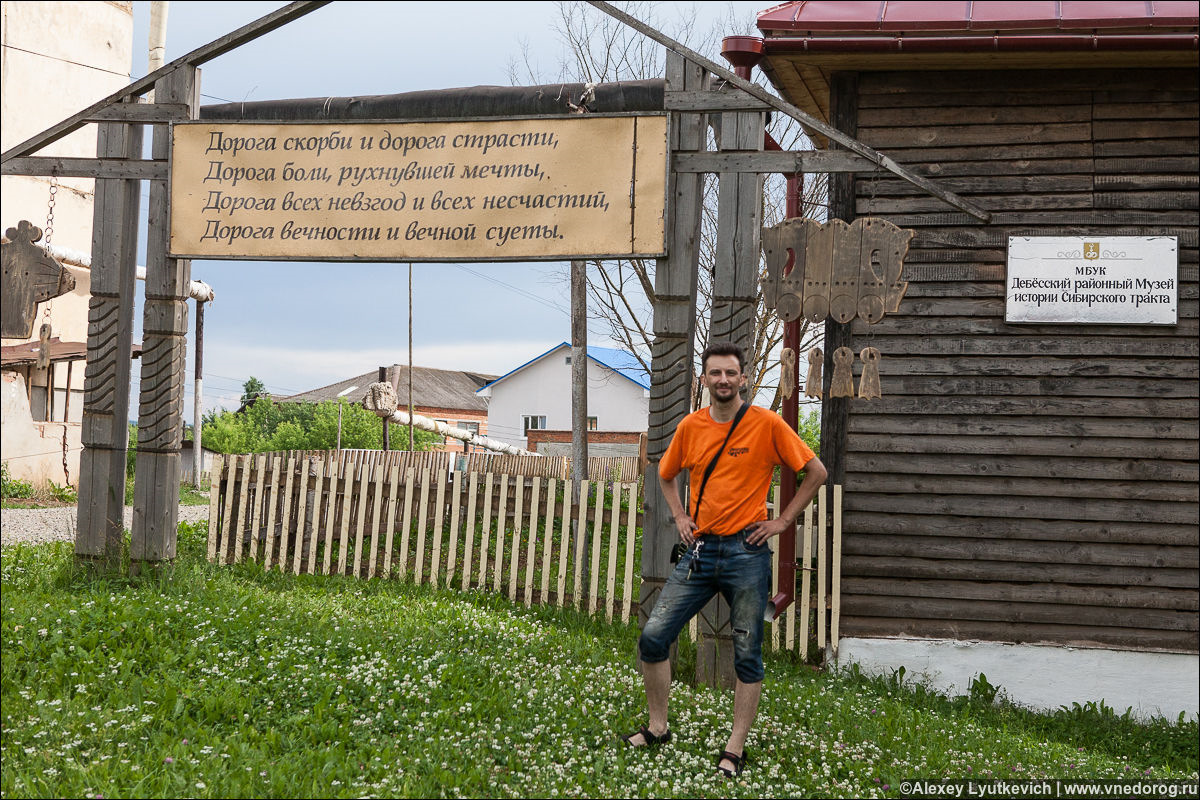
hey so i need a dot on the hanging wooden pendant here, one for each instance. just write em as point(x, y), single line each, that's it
point(812, 384)
point(868, 382)
point(30, 276)
point(842, 384)
point(787, 371)
point(43, 356)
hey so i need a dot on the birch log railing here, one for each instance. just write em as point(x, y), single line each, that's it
point(400, 515)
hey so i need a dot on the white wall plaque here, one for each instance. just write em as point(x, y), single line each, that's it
point(1122, 280)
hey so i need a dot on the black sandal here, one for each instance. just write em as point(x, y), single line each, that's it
point(737, 761)
point(648, 738)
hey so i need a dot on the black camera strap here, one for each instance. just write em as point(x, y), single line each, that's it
point(741, 412)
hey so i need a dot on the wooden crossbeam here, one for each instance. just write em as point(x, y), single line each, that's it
point(130, 168)
point(809, 121)
point(783, 161)
point(202, 54)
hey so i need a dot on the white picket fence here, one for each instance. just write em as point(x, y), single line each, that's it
point(387, 516)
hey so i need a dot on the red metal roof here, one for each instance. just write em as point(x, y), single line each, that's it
point(975, 16)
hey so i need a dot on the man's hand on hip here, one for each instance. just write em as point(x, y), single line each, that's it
point(686, 527)
point(761, 531)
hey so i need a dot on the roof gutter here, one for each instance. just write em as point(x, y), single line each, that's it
point(994, 43)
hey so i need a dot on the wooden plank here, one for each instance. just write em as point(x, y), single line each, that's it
point(406, 524)
point(456, 502)
point(530, 553)
point(580, 541)
point(822, 569)
point(315, 524)
point(614, 539)
point(946, 112)
point(1078, 509)
point(836, 588)
point(214, 507)
point(201, 55)
point(518, 523)
point(468, 545)
point(1168, 449)
point(376, 508)
point(564, 545)
point(390, 523)
point(1018, 345)
point(548, 537)
point(271, 501)
point(330, 516)
point(711, 100)
point(1023, 613)
point(422, 522)
point(1105, 426)
point(285, 527)
point(1028, 550)
point(1046, 468)
point(630, 541)
point(438, 518)
point(773, 161)
point(485, 544)
point(302, 465)
point(348, 502)
point(919, 567)
point(805, 584)
point(1143, 491)
point(1016, 528)
point(597, 534)
point(142, 113)
point(501, 524)
point(63, 167)
point(1130, 597)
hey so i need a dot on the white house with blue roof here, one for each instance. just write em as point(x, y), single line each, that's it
point(536, 396)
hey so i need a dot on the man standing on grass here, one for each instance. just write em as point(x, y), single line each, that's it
point(726, 531)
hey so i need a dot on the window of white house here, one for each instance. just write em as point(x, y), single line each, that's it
point(473, 427)
point(533, 423)
point(592, 424)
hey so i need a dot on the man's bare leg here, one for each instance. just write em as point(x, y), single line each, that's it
point(657, 679)
point(745, 709)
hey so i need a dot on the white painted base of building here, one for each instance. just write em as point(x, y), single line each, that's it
point(1040, 676)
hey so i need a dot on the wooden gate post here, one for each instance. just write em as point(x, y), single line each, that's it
point(735, 297)
point(164, 340)
point(105, 429)
point(672, 351)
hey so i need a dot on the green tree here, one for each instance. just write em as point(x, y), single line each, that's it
point(252, 389)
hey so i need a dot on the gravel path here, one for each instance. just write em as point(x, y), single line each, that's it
point(34, 525)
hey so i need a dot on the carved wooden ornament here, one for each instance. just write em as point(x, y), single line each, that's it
point(30, 277)
point(842, 384)
point(868, 382)
point(837, 270)
point(812, 385)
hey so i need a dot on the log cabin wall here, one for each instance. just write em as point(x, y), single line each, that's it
point(1024, 483)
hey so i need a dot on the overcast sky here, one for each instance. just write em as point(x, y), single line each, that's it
point(297, 326)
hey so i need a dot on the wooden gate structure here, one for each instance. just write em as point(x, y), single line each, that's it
point(695, 94)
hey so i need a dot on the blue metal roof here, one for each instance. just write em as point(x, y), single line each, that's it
point(618, 361)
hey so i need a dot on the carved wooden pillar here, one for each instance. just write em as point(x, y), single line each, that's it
point(735, 298)
point(672, 350)
point(164, 332)
point(105, 430)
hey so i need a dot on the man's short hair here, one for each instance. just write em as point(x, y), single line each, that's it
point(723, 349)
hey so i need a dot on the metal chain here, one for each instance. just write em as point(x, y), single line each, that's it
point(48, 231)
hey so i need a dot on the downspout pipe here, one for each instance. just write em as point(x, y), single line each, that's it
point(743, 52)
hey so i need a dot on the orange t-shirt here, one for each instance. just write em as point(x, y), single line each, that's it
point(736, 495)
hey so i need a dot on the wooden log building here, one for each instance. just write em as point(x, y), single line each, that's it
point(1031, 484)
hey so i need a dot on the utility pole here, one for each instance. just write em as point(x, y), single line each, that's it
point(198, 396)
point(579, 446)
point(383, 379)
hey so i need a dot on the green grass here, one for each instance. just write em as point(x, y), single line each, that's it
point(230, 682)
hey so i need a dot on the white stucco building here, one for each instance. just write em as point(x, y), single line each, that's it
point(58, 58)
point(531, 405)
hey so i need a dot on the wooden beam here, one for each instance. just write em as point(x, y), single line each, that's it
point(117, 168)
point(785, 162)
point(809, 121)
point(712, 101)
point(141, 112)
point(202, 54)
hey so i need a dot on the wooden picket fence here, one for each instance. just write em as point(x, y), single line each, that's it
point(397, 514)
point(311, 513)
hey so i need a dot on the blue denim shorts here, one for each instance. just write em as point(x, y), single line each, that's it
point(741, 572)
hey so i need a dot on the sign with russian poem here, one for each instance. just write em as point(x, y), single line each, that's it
point(494, 190)
point(1111, 280)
